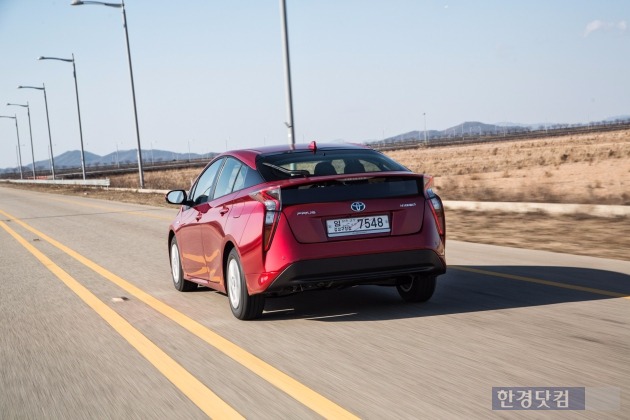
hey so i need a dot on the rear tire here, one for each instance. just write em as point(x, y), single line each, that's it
point(244, 306)
point(419, 289)
point(177, 272)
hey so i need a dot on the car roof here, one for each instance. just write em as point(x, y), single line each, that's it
point(249, 155)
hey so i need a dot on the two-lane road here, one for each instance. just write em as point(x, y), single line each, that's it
point(91, 327)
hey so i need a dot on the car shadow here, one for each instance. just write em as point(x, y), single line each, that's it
point(463, 289)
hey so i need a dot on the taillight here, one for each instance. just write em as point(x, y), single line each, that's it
point(271, 199)
point(437, 208)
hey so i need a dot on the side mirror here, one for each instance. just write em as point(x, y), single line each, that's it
point(176, 197)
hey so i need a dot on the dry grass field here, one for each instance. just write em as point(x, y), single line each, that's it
point(589, 168)
point(586, 169)
point(158, 180)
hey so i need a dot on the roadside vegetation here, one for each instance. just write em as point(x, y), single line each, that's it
point(158, 180)
point(583, 169)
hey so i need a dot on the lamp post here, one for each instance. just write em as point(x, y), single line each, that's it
point(424, 114)
point(76, 89)
point(30, 130)
point(287, 72)
point(52, 155)
point(152, 160)
point(17, 132)
point(121, 5)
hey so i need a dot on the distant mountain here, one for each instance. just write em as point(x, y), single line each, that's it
point(618, 118)
point(467, 128)
point(476, 128)
point(72, 159)
point(414, 135)
point(510, 124)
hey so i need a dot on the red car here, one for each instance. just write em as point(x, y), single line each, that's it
point(272, 221)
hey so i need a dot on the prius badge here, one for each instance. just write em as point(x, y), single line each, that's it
point(357, 206)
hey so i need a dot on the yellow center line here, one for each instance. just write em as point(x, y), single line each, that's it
point(544, 282)
point(195, 390)
point(274, 376)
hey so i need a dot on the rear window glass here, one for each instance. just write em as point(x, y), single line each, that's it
point(324, 162)
point(387, 187)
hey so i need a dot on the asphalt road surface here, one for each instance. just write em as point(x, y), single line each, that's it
point(91, 327)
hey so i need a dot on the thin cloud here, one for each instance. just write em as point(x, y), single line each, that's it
point(600, 25)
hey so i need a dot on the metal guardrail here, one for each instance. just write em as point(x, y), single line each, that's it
point(87, 182)
point(482, 206)
point(595, 210)
point(123, 168)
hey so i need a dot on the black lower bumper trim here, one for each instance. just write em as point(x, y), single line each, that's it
point(358, 269)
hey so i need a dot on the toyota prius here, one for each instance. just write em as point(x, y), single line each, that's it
point(273, 221)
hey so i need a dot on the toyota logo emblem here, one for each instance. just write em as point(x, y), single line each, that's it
point(357, 206)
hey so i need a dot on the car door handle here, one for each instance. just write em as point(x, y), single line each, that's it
point(224, 210)
point(198, 216)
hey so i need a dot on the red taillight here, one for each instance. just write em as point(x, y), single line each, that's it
point(435, 203)
point(271, 199)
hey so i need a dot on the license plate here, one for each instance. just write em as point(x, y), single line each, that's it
point(358, 225)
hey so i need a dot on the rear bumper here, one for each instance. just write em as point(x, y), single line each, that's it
point(382, 268)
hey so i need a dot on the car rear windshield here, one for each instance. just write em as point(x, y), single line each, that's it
point(358, 189)
point(293, 164)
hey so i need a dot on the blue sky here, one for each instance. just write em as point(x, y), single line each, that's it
point(209, 73)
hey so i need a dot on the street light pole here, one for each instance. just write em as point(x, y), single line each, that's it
point(425, 127)
point(287, 72)
point(76, 89)
point(17, 132)
point(52, 155)
point(30, 130)
point(121, 5)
